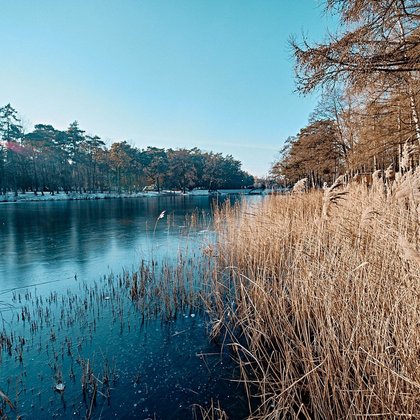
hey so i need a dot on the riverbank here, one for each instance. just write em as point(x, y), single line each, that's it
point(10, 197)
point(62, 196)
point(319, 294)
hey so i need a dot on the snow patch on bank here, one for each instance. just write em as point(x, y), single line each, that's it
point(30, 196)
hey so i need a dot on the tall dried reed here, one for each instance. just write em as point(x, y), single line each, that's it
point(322, 303)
point(213, 412)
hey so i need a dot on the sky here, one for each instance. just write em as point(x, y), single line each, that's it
point(212, 74)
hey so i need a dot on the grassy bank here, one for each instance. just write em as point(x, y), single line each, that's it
point(319, 293)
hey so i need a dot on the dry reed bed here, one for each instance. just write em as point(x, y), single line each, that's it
point(320, 294)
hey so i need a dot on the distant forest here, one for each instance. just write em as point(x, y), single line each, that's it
point(48, 159)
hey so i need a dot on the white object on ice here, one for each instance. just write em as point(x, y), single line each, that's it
point(59, 386)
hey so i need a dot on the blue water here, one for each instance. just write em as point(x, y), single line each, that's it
point(62, 306)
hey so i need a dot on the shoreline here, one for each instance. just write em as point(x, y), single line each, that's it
point(73, 196)
point(31, 197)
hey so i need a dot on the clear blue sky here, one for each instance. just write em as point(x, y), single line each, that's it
point(216, 74)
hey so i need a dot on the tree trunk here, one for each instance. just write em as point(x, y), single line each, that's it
point(414, 112)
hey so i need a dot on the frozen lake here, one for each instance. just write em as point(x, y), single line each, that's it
point(62, 252)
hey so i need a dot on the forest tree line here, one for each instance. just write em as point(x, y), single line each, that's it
point(368, 74)
point(47, 159)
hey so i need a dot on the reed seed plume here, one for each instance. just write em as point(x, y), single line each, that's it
point(408, 151)
point(408, 252)
point(378, 186)
point(300, 186)
point(367, 216)
point(333, 195)
point(161, 216)
point(390, 173)
point(408, 186)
